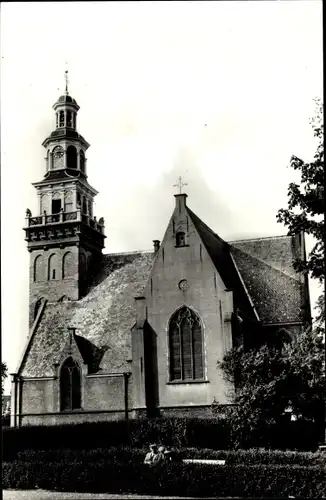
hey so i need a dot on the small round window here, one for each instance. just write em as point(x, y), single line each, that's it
point(183, 285)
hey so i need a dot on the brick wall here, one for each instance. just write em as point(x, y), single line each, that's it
point(75, 418)
point(105, 395)
point(70, 278)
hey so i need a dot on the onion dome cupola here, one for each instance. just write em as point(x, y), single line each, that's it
point(66, 148)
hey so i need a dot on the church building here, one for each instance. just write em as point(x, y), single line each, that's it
point(118, 336)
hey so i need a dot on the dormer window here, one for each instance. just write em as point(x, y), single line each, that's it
point(180, 239)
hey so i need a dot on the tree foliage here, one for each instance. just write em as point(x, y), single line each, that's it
point(306, 201)
point(271, 380)
point(4, 374)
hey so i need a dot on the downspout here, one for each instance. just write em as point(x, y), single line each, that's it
point(126, 376)
point(13, 419)
point(19, 391)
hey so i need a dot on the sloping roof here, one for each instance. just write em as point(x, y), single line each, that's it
point(266, 267)
point(103, 318)
point(219, 252)
point(259, 271)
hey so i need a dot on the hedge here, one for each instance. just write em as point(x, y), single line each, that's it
point(177, 432)
point(173, 479)
point(122, 454)
point(137, 433)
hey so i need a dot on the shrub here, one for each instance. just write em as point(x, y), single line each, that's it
point(255, 456)
point(126, 454)
point(138, 433)
point(176, 432)
point(173, 479)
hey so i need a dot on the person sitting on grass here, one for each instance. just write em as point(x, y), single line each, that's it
point(150, 456)
point(160, 457)
point(168, 455)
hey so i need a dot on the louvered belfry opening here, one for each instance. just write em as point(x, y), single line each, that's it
point(186, 346)
point(70, 386)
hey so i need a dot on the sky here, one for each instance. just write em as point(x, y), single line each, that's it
point(218, 92)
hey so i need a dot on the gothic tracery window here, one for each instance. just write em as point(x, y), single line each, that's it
point(70, 386)
point(186, 346)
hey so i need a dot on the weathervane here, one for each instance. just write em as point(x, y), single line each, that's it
point(180, 184)
point(66, 79)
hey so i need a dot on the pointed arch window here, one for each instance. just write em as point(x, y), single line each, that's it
point(186, 346)
point(70, 386)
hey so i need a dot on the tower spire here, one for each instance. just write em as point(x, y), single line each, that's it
point(67, 81)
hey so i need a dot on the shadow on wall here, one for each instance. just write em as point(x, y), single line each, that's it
point(151, 373)
point(91, 354)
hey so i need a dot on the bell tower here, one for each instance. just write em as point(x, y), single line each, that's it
point(65, 240)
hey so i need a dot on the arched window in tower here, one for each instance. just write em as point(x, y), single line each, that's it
point(70, 386)
point(84, 205)
point(82, 160)
point(38, 268)
point(186, 346)
point(68, 265)
point(58, 157)
point(71, 157)
point(57, 120)
point(53, 267)
point(61, 119)
point(69, 119)
point(73, 120)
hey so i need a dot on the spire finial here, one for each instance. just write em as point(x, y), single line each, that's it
point(180, 184)
point(66, 79)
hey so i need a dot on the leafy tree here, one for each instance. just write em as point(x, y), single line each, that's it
point(271, 380)
point(4, 374)
point(306, 208)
